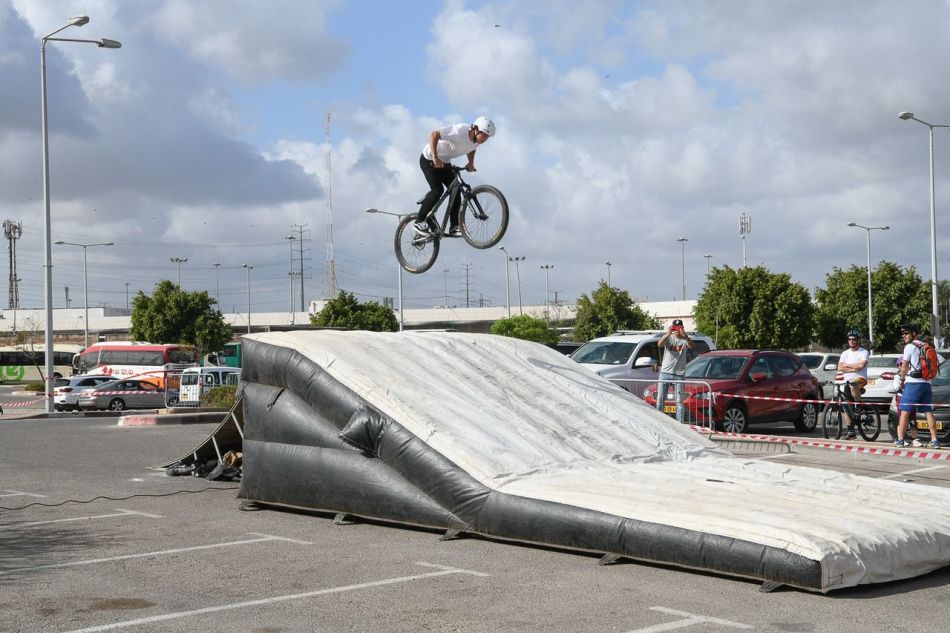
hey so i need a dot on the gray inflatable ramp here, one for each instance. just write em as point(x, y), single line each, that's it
point(509, 439)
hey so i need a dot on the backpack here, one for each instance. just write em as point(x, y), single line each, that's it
point(928, 360)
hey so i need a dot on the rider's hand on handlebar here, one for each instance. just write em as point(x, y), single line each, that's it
point(470, 167)
point(438, 164)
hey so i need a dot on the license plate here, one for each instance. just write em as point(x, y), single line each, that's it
point(671, 408)
point(872, 381)
point(924, 425)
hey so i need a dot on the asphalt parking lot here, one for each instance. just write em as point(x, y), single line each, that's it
point(149, 552)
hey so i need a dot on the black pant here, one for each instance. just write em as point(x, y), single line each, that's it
point(438, 180)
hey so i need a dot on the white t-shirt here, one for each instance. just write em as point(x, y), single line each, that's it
point(912, 356)
point(454, 143)
point(849, 357)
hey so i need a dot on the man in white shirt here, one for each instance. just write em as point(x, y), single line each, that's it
point(446, 143)
point(854, 364)
point(917, 394)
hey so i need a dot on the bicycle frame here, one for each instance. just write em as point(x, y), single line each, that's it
point(456, 186)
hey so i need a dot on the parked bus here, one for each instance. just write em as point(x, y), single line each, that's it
point(18, 363)
point(125, 359)
point(230, 356)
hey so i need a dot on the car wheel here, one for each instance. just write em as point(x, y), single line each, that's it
point(117, 404)
point(734, 419)
point(808, 418)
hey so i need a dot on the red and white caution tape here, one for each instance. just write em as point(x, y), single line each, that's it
point(25, 403)
point(774, 399)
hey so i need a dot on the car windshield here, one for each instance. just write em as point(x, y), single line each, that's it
point(812, 361)
point(604, 353)
point(883, 361)
point(61, 382)
point(707, 366)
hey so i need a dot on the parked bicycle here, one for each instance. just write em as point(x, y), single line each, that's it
point(483, 220)
point(865, 417)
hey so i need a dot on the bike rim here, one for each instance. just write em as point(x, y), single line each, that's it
point(484, 219)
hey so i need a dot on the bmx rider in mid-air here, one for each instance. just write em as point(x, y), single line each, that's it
point(446, 143)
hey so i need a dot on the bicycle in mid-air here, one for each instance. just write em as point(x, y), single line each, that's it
point(865, 417)
point(483, 220)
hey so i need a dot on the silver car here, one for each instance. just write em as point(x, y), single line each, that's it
point(119, 395)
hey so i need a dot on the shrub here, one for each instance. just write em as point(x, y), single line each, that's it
point(222, 397)
point(34, 386)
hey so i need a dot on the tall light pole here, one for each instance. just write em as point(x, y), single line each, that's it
point(445, 287)
point(78, 20)
point(290, 239)
point(745, 227)
point(249, 269)
point(179, 261)
point(707, 256)
point(517, 261)
point(507, 283)
point(609, 264)
point(868, 229)
point(85, 284)
point(126, 295)
point(935, 305)
point(683, 240)
point(401, 321)
point(547, 293)
point(217, 285)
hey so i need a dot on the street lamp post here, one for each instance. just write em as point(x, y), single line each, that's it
point(868, 229)
point(547, 293)
point(707, 256)
point(85, 284)
point(517, 261)
point(935, 305)
point(179, 261)
point(507, 283)
point(78, 20)
point(126, 295)
point(445, 287)
point(609, 264)
point(683, 240)
point(217, 285)
point(401, 321)
point(249, 269)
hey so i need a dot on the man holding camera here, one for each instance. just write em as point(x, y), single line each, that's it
point(676, 346)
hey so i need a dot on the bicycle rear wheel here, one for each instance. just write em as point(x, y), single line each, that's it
point(485, 217)
point(869, 421)
point(416, 253)
point(831, 422)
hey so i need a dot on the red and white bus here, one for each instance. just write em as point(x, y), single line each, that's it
point(128, 359)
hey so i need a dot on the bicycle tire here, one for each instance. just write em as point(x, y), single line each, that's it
point(415, 253)
point(831, 422)
point(485, 217)
point(869, 422)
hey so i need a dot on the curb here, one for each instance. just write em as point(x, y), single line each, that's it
point(155, 419)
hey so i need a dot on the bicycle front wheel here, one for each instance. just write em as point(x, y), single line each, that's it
point(485, 217)
point(869, 421)
point(416, 253)
point(831, 422)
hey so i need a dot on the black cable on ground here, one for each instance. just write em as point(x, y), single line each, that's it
point(107, 498)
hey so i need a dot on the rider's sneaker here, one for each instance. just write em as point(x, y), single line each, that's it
point(850, 434)
point(935, 444)
point(422, 228)
point(454, 232)
point(899, 443)
point(917, 443)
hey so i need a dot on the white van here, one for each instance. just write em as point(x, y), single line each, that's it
point(196, 381)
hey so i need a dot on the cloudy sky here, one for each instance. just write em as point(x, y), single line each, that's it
point(622, 126)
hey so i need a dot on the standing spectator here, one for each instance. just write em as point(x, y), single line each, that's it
point(854, 364)
point(676, 346)
point(917, 394)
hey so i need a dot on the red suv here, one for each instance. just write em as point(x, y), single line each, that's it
point(732, 374)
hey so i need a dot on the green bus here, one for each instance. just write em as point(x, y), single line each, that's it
point(230, 356)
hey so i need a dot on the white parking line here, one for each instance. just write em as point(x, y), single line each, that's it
point(120, 513)
point(911, 472)
point(442, 571)
point(689, 619)
point(17, 493)
point(263, 538)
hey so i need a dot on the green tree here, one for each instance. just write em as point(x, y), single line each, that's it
point(607, 310)
point(899, 294)
point(344, 311)
point(751, 307)
point(525, 327)
point(172, 315)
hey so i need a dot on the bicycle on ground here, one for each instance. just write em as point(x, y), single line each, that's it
point(483, 220)
point(865, 417)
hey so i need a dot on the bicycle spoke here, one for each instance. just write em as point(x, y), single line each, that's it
point(485, 217)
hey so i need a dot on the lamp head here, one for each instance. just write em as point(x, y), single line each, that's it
point(109, 244)
point(852, 223)
point(59, 242)
point(78, 20)
point(105, 43)
point(905, 115)
point(372, 210)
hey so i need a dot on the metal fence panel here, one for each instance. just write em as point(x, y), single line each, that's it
point(689, 401)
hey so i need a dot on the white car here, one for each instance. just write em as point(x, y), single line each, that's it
point(878, 390)
point(822, 365)
point(66, 390)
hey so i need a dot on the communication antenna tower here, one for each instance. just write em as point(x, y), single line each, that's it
point(331, 287)
point(745, 227)
point(13, 231)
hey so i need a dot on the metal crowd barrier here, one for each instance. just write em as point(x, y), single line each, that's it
point(688, 401)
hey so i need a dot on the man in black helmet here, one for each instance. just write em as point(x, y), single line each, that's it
point(854, 364)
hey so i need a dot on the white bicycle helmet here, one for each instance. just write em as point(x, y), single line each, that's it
point(486, 125)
